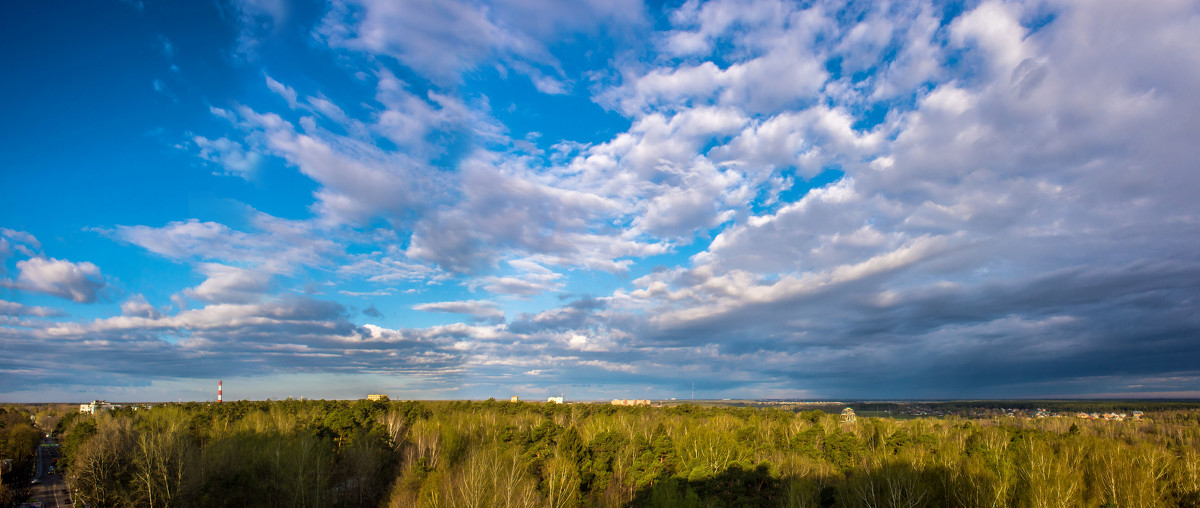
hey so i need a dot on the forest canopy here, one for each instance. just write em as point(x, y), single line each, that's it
point(386, 453)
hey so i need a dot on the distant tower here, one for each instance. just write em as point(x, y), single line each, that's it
point(218, 391)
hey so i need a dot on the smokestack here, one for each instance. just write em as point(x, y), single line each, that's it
point(218, 391)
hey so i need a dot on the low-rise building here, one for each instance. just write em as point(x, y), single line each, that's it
point(848, 416)
point(630, 402)
point(515, 399)
point(555, 400)
point(377, 396)
point(97, 405)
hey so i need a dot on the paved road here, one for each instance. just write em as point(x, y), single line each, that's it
point(49, 491)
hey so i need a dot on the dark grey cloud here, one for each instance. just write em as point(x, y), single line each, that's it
point(578, 314)
point(290, 335)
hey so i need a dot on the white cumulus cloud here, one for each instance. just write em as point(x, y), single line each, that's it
point(78, 282)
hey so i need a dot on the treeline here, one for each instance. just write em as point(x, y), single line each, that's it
point(340, 453)
point(971, 406)
point(1085, 406)
point(19, 441)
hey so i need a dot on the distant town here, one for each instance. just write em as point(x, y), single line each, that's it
point(1081, 409)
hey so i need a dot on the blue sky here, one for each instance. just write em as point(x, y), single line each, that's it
point(603, 199)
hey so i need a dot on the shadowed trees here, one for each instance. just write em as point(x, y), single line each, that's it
point(285, 453)
point(731, 487)
point(18, 443)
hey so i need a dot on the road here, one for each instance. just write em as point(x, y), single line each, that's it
point(49, 490)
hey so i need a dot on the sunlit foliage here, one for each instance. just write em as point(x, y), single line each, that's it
point(476, 454)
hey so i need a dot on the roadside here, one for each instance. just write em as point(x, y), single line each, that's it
point(48, 487)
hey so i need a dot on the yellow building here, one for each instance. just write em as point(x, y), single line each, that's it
point(630, 402)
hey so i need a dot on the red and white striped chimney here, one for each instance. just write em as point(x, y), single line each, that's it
point(218, 391)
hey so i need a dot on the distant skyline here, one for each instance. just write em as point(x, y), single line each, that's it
point(602, 199)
